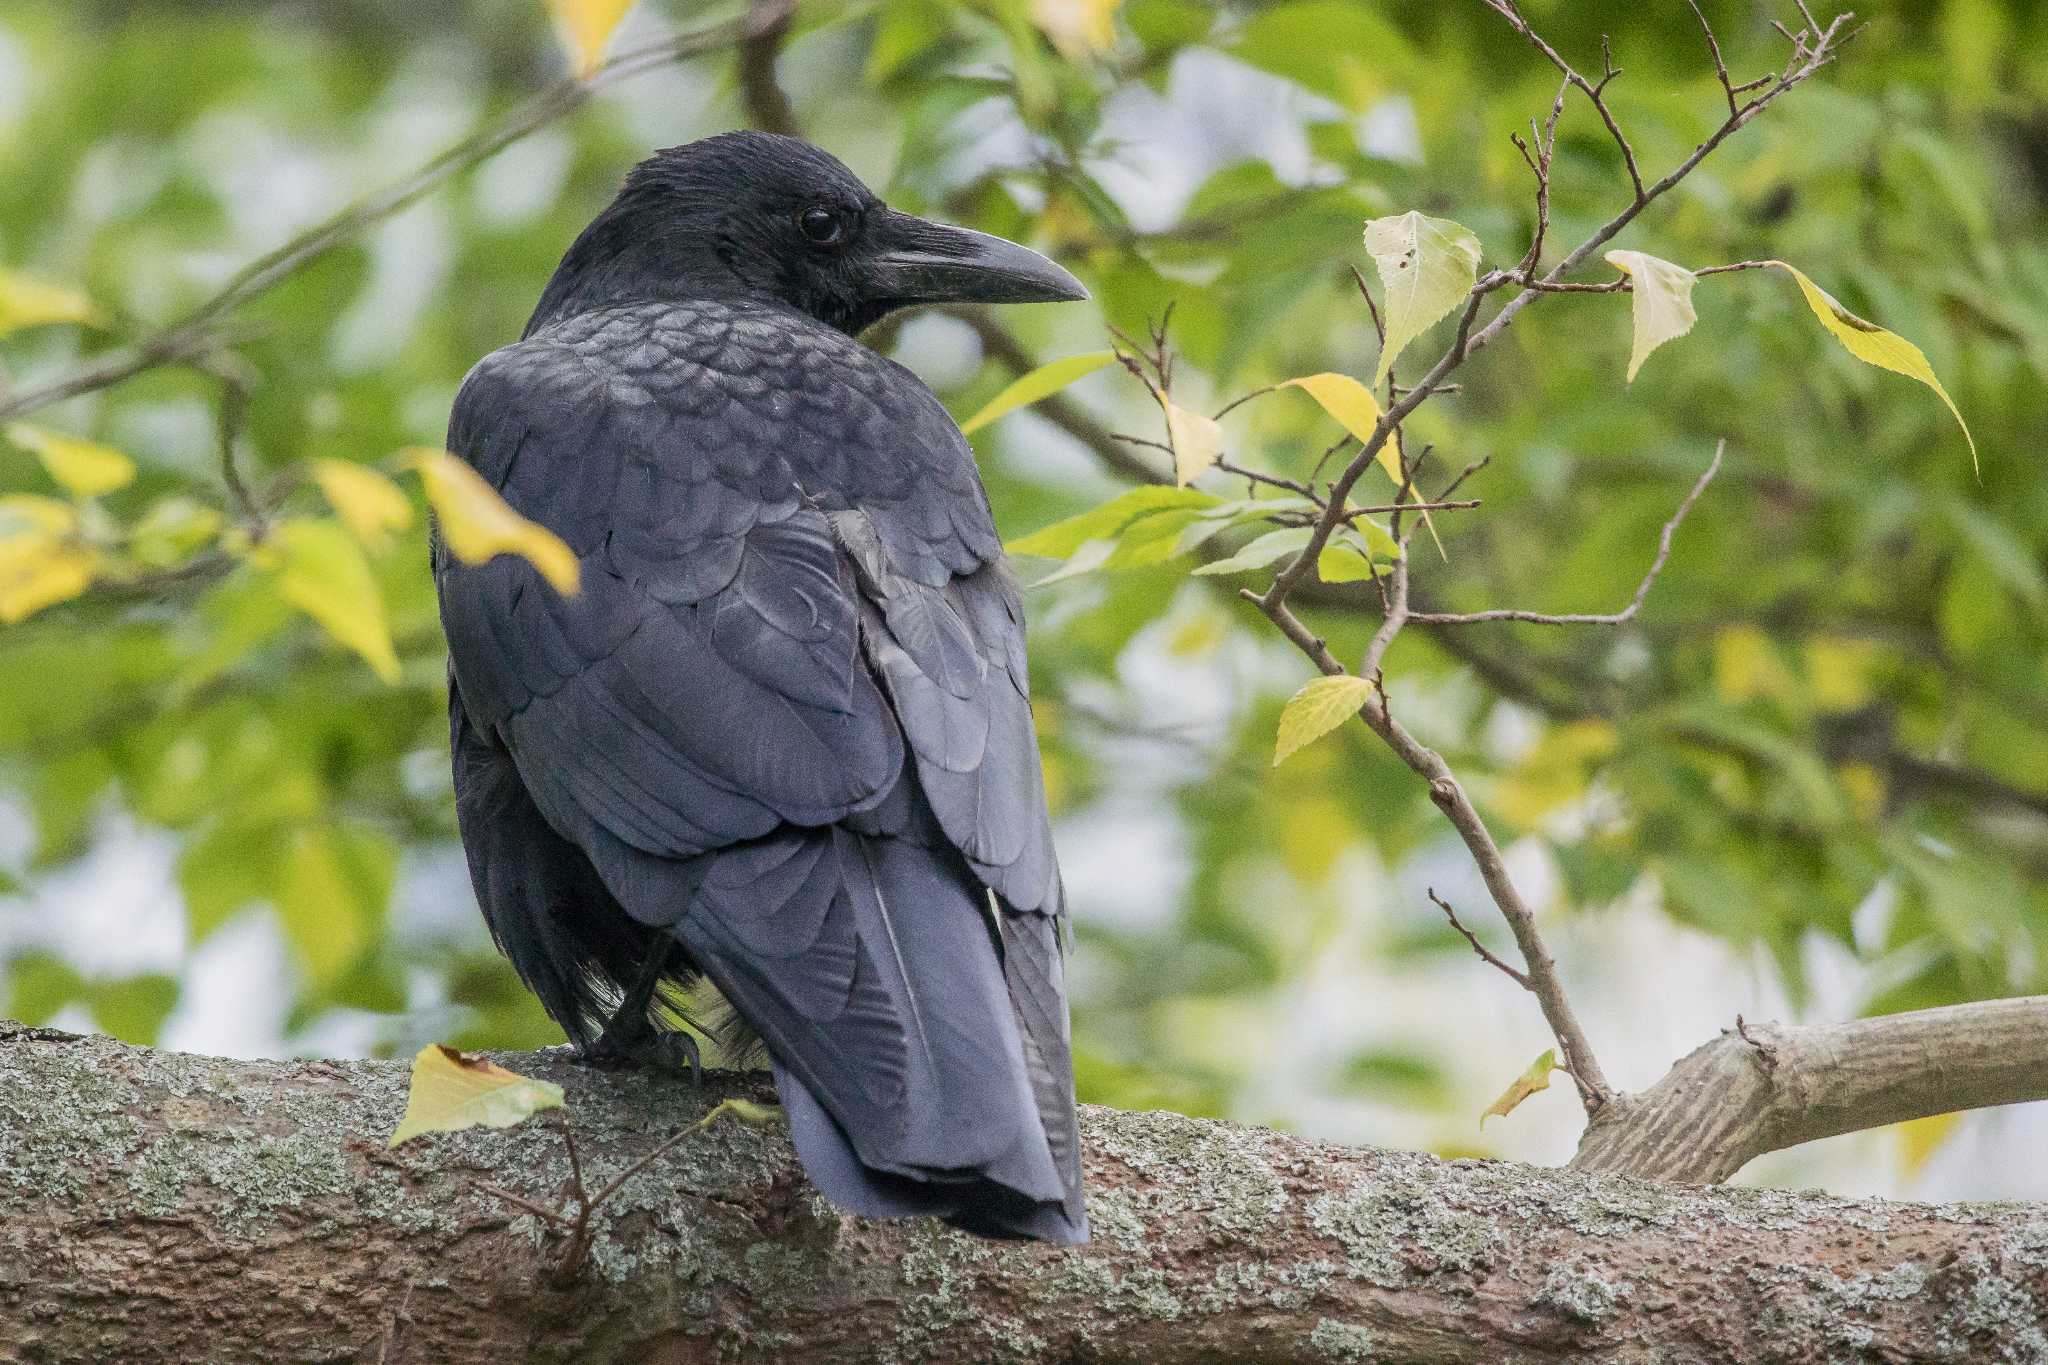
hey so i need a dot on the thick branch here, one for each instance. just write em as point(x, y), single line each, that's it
point(157, 1207)
point(1766, 1087)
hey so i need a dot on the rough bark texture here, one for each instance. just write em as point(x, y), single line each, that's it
point(1771, 1086)
point(163, 1207)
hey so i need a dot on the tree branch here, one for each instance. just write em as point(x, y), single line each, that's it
point(1768, 1087)
point(767, 105)
point(156, 1207)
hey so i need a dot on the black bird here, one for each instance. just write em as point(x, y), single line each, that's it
point(782, 736)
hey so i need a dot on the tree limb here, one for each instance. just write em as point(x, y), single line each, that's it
point(1766, 1087)
point(157, 1207)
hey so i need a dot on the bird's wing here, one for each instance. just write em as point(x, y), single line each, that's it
point(705, 685)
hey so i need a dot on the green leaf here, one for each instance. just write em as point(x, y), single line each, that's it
point(1663, 302)
point(479, 525)
point(1063, 538)
point(452, 1091)
point(1427, 267)
point(320, 569)
point(1318, 708)
point(1873, 345)
point(1262, 551)
point(1536, 1078)
point(332, 895)
point(1042, 382)
point(86, 469)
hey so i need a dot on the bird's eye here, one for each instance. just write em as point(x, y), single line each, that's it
point(822, 226)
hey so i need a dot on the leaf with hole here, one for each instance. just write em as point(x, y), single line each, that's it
point(1427, 267)
point(1043, 382)
point(454, 1090)
point(1318, 708)
point(1662, 305)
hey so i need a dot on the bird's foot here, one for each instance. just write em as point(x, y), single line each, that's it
point(655, 1049)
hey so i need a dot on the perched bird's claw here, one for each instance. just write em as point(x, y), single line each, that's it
point(672, 1051)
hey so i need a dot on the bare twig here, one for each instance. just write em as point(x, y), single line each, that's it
point(1613, 618)
point(1486, 955)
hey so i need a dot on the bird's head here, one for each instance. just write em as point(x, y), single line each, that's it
point(763, 217)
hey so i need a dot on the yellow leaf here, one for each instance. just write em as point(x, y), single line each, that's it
point(586, 27)
point(1078, 28)
point(371, 504)
point(478, 524)
point(1042, 382)
point(1747, 666)
point(1355, 409)
point(452, 1091)
point(1920, 1139)
point(29, 302)
point(1314, 711)
point(1427, 267)
point(1536, 1078)
point(39, 566)
point(1663, 302)
point(85, 468)
point(1873, 345)
point(321, 570)
point(1197, 442)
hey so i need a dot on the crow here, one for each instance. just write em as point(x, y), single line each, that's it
point(781, 739)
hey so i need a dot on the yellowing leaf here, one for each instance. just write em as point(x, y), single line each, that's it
point(585, 27)
point(452, 1091)
point(1042, 382)
point(39, 564)
point(85, 468)
point(1317, 709)
point(1536, 1078)
point(1427, 267)
point(1920, 1139)
point(1197, 442)
point(1355, 409)
point(1873, 345)
point(478, 524)
point(29, 302)
point(331, 897)
point(1078, 28)
point(321, 570)
point(371, 504)
point(1663, 302)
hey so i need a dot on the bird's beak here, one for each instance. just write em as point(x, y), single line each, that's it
point(925, 262)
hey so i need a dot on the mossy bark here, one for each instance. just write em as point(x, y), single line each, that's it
point(162, 1207)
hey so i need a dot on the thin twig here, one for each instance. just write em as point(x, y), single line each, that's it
point(1487, 955)
point(1612, 618)
point(767, 105)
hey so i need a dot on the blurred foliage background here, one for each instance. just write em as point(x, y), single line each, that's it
point(1811, 778)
